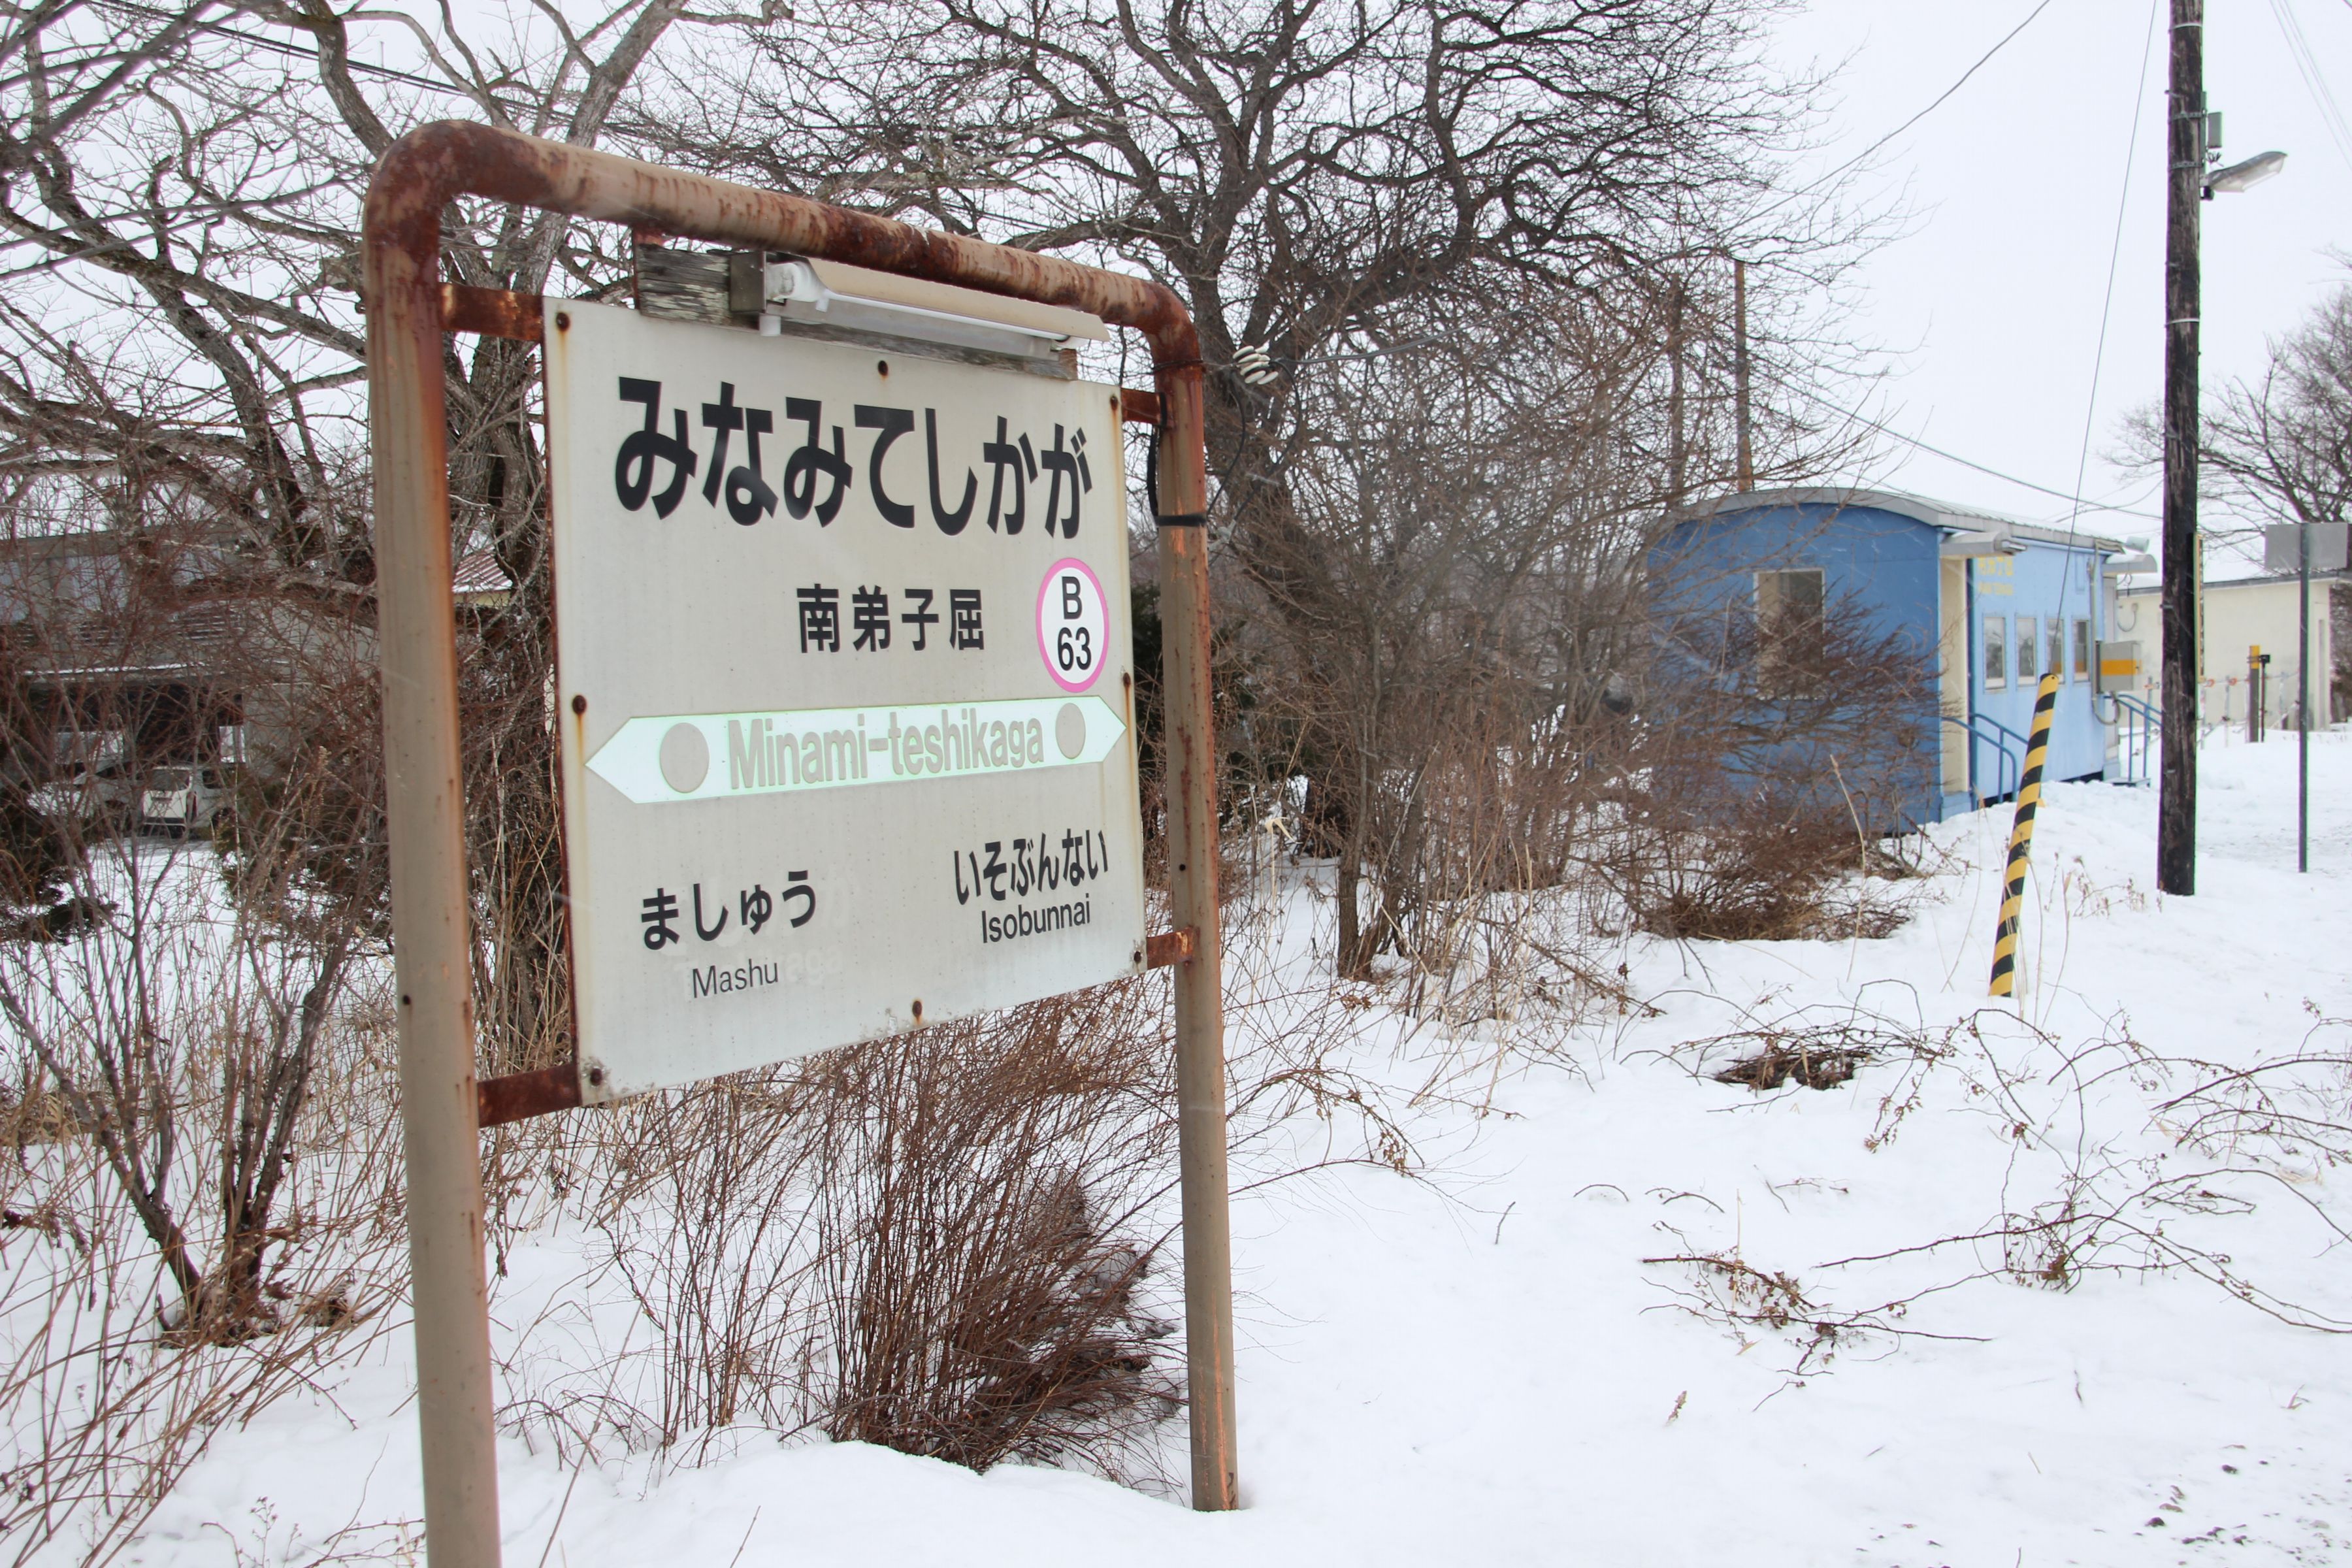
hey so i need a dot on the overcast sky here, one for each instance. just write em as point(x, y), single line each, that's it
point(1989, 306)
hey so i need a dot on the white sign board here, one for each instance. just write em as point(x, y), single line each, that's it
point(2283, 547)
point(844, 673)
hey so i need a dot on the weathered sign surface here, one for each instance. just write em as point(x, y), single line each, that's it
point(2283, 545)
point(844, 671)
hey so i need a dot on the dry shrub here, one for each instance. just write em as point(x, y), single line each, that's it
point(982, 1266)
point(2294, 1111)
point(1749, 1302)
point(107, 1394)
point(943, 1242)
point(1767, 865)
point(701, 1199)
point(950, 1242)
point(1475, 896)
point(2112, 1159)
point(1797, 1063)
point(1758, 876)
point(1817, 1055)
point(1775, 763)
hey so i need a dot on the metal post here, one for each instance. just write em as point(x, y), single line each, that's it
point(1191, 787)
point(2254, 695)
point(416, 180)
point(2176, 808)
point(2021, 840)
point(417, 624)
point(2302, 704)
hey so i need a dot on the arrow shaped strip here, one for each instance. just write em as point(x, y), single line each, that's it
point(704, 756)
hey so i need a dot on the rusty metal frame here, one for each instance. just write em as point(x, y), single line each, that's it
point(443, 1107)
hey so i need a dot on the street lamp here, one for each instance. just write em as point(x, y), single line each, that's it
point(2244, 176)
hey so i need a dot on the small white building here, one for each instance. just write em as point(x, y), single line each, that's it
point(2241, 617)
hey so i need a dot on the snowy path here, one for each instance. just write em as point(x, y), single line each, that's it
point(1491, 1374)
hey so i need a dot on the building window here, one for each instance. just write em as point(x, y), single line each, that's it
point(2057, 648)
point(1789, 631)
point(2081, 649)
point(1996, 652)
point(2026, 650)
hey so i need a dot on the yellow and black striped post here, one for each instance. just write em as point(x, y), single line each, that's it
point(2021, 840)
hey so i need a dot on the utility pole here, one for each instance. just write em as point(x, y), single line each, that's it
point(2176, 809)
point(1739, 372)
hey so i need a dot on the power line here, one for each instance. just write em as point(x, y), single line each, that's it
point(1914, 441)
point(2075, 500)
point(2307, 66)
point(295, 51)
point(2108, 300)
point(1935, 104)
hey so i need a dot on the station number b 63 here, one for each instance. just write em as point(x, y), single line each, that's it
point(1073, 625)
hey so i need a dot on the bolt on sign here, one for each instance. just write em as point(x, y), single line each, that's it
point(845, 674)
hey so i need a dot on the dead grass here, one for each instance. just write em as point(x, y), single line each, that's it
point(2114, 1159)
point(1759, 875)
point(946, 1242)
point(106, 1397)
point(1809, 1050)
point(1823, 1068)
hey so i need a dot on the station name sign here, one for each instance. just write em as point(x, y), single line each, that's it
point(844, 679)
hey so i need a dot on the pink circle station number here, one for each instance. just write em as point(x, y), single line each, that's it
point(1073, 625)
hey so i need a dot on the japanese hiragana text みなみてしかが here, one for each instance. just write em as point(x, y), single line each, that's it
point(818, 474)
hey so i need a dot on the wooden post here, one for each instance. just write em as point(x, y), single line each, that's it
point(2176, 805)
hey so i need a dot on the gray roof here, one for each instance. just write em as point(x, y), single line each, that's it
point(2270, 580)
point(1949, 516)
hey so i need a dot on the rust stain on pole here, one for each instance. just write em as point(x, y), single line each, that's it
point(1168, 947)
point(408, 311)
point(523, 1095)
point(425, 170)
point(493, 312)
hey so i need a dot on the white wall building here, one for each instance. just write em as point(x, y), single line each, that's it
point(2239, 617)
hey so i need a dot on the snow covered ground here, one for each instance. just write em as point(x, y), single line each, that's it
point(1481, 1367)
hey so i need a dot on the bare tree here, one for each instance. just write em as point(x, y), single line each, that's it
point(1313, 179)
point(2283, 445)
point(180, 190)
point(1485, 249)
point(1466, 544)
point(2279, 449)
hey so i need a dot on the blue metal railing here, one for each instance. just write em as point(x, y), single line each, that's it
point(2013, 766)
point(2139, 723)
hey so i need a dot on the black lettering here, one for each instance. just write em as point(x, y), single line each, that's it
point(708, 934)
point(724, 418)
point(1070, 467)
point(632, 470)
point(891, 424)
point(1004, 457)
point(811, 462)
point(950, 521)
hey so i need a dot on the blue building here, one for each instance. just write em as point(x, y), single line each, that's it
point(1990, 602)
